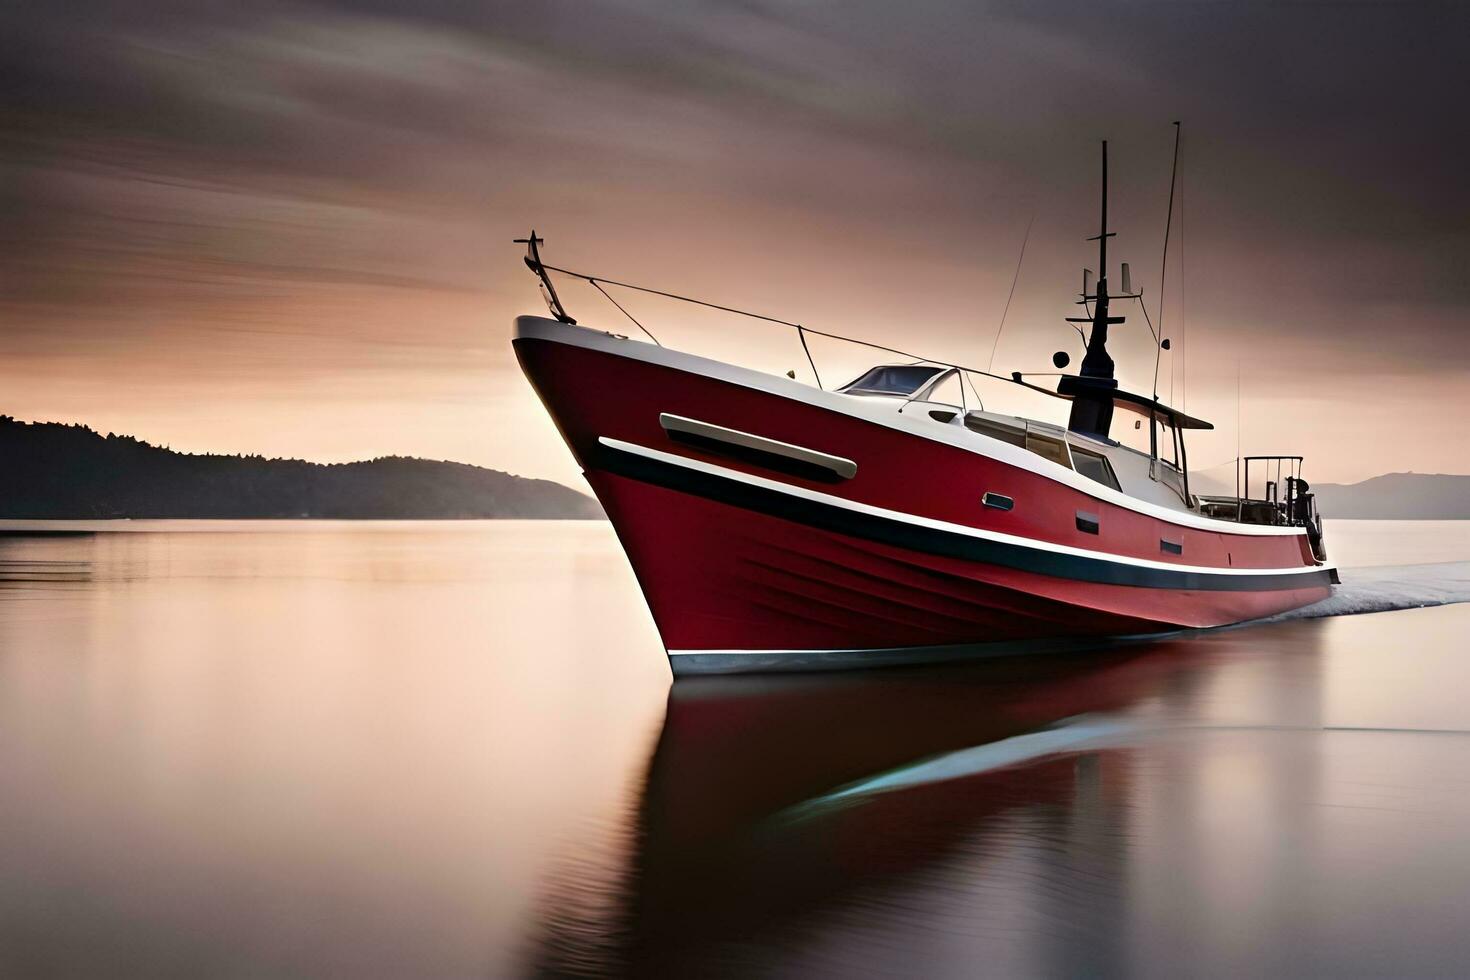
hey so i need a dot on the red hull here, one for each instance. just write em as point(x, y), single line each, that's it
point(744, 568)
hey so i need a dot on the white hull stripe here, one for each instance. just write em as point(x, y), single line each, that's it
point(935, 536)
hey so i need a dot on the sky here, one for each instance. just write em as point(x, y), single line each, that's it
point(285, 228)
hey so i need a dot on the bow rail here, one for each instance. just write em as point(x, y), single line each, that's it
point(553, 303)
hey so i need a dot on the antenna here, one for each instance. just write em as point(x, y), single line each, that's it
point(1097, 363)
point(1164, 265)
point(1009, 296)
point(1183, 321)
point(1102, 236)
point(1094, 383)
point(1127, 280)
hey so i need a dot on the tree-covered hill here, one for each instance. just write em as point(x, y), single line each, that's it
point(1399, 496)
point(50, 470)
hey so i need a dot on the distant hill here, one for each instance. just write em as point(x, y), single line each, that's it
point(1393, 496)
point(1398, 496)
point(50, 470)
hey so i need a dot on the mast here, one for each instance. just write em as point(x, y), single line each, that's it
point(1092, 407)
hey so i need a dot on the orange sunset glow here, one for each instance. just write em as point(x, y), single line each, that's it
point(288, 231)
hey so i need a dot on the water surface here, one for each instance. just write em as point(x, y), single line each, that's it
point(392, 749)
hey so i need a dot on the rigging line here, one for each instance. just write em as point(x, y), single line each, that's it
point(1011, 295)
point(801, 335)
point(660, 292)
point(598, 286)
point(1183, 322)
point(770, 319)
point(1237, 439)
point(1164, 268)
point(1171, 377)
point(1080, 335)
point(1151, 330)
point(904, 353)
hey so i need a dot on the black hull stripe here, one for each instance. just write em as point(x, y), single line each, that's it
point(936, 541)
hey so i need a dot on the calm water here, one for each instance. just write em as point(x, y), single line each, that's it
point(453, 750)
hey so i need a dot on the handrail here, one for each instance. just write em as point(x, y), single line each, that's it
point(660, 292)
point(1271, 492)
point(801, 329)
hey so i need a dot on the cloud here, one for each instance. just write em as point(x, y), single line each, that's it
point(312, 173)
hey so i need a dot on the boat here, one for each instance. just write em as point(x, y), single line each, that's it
point(775, 524)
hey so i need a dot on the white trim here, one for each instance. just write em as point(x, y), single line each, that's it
point(999, 537)
point(839, 465)
point(869, 410)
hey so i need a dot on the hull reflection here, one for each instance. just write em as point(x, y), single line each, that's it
point(776, 806)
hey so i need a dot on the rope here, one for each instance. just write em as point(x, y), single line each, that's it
point(801, 335)
point(1009, 296)
point(597, 286)
point(904, 353)
point(660, 292)
point(1149, 320)
point(1164, 268)
point(802, 331)
point(1183, 322)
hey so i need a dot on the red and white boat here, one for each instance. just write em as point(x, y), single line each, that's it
point(776, 525)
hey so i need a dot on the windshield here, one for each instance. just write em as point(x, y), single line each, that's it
point(895, 379)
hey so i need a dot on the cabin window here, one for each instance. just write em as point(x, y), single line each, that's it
point(902, 379)
point(1169, 444)
point(1048, 448)
point(996, 430)
point(1170, 477)
point(1043, 445)
point(1094, 466)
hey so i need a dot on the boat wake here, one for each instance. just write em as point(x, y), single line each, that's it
point(1363, 590)
point(1384, 589)
point(1085, 732)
